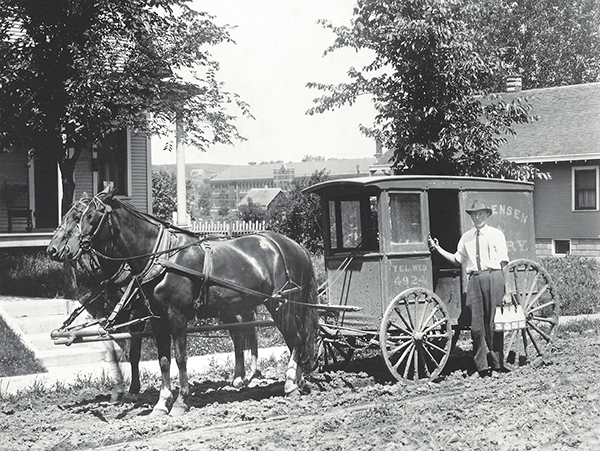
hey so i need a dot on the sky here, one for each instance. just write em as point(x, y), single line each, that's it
point(279, 48)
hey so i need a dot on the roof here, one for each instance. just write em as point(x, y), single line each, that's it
point(417, 182)
point(344, 167)
point(568, 127)
point(261, 196)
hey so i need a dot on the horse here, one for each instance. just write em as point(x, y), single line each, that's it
point(114, 276)
point(183, 279)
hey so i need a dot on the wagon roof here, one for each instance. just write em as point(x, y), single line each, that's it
point(419, 182)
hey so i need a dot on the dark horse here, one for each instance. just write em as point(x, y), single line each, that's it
point(113, 276)
point(183, 278)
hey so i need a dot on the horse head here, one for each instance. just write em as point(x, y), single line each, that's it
point(95, 224)
point(64, 244)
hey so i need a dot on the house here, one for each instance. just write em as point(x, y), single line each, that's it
point(229, 187)
point(565, 143)
point(265, 197)
point(123, 160)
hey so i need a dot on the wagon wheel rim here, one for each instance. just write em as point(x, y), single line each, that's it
point(530, 285)
point(333, 352)
point(415, 335)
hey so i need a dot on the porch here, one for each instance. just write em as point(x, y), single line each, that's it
point(35, 238)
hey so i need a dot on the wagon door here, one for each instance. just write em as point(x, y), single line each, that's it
point(353, 259)
point(445, 225)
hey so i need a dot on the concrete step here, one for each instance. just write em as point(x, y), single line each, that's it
point(39, 324)
point(34, 307)
point(77, 354)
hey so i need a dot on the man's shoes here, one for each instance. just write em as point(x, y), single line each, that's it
point(481, 374)
point(502, 369)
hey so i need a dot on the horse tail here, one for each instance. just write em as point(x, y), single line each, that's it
point(309, 323)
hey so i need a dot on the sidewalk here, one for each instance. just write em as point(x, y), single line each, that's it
point(67, 375)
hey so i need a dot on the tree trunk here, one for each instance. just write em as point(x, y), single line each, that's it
point(67, 168)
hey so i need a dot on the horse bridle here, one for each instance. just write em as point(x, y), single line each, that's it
point(85, 240)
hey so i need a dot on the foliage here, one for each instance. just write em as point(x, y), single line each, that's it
point(430, 88)
point(15, 358)
point(251, 211)
point(72, 72)
point(164, 195)
point(576, 283)
point(30, 272)
point(549, 42)
point(298, 215)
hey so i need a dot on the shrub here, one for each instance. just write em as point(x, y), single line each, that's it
point(576, 283)
point(30, 272)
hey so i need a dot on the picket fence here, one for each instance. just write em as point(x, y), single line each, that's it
point(227, 228)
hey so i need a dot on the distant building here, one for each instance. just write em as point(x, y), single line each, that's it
point(265, 197)
point(229, 187)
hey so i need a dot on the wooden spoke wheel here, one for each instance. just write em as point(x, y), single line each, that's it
point(415, 335)
point(334, 351)
point(528, 284)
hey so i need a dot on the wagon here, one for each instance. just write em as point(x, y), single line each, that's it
point(412, 303)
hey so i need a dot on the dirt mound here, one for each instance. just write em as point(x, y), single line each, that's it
point(553, 407)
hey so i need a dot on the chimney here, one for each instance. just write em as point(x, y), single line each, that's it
point(514, 83)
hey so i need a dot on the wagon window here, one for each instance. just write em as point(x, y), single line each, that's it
point(406, 218)
point(332, 225)
point(351, 227)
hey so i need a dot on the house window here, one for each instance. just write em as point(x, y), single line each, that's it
point(112, 162)
point(585, 188)
point(562, 247)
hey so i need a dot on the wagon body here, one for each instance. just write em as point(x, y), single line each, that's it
point(382, 225)
point(375, 232)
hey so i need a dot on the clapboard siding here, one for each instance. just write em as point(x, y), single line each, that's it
point(84, 182)
point(554, 216)
point(139, 171)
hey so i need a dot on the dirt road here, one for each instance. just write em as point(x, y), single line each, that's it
point(553, 407)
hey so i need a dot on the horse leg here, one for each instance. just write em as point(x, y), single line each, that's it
point(251, 343)
point(163, 345)
point(135, 351)
point(181, 405)
point(114, 371)
point(293, 376)
point(238, 351)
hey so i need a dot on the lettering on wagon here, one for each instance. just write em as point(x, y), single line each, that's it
point(410, 275)
point(509, 210)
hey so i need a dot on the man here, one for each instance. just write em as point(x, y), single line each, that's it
point(484, 253)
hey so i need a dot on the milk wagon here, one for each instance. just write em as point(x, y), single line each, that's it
point(412, 303)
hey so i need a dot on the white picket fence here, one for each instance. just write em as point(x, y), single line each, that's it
point(227, 228)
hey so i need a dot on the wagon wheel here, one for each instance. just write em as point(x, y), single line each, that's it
point(333, 353)
point(528, 283)
point(415, 335)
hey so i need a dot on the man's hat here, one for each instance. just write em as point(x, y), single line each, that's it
point(479, 205)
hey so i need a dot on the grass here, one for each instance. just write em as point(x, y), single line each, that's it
point(15, 358)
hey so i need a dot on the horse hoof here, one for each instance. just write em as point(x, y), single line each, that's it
point(238, 382)
point(257, 375)
point(159, 412)
point(179, 410)
point(293, 394)
point(117, 398)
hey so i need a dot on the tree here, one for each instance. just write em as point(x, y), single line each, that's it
point(297, 215)
point(164, 195)
point(251, 211)
point(549, 42)
point(430, 88)
point(75, 71)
